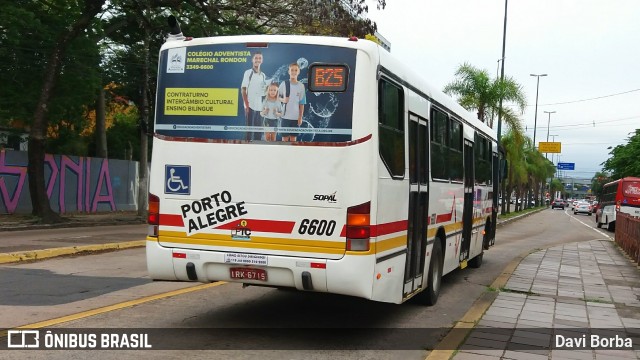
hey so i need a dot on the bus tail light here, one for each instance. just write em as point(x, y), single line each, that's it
point(153, 218)
point(358, 227)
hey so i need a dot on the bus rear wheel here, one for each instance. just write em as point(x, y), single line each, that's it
point(476, 262)
point(429, 296)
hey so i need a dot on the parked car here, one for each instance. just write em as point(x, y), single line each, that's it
point(594, 207)
point(557, 203)
point(582, 208)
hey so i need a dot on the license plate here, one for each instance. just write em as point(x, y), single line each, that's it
point(248, 274)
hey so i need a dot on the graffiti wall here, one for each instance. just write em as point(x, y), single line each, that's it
point(74, 184)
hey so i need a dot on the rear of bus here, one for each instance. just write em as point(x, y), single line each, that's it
point(629, 202)
point(622, 195)
point(225, 204)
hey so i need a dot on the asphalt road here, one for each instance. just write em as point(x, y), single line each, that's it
point(229, 321)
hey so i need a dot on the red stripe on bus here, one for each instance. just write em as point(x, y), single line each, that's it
point(297, 143)
point(272, 226)
point(171, 220)
point(444, 217)
point(389, 228)
point(382, 229)
point(283, 227)
point(334, 144)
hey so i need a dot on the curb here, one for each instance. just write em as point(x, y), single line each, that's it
point(506, 221)
point(34, 255)
point(454, 339)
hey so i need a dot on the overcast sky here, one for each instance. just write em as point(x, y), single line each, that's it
point(590, 50)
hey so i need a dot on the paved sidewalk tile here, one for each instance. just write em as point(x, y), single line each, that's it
point(560, 296)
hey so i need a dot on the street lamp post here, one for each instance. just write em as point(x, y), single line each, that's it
point(552, 140)
point(496, 169)
point(548, 126)
point(535, 117)
point(551, 179)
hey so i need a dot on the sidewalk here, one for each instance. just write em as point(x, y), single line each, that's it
point(22, 239)
point(15, 222)
point(557, 304)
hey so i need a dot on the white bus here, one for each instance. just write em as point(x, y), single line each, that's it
point(384, 187)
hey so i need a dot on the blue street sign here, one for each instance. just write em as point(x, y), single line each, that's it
point(566, 166)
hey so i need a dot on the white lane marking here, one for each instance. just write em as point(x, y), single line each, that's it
point(589, 226)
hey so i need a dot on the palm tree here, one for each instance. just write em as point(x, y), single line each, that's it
point(477, 91)
point(514, 145)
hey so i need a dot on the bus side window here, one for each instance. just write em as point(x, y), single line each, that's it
point(439, 148)
point(456, 166)
point(391, 127)
point(482, 155)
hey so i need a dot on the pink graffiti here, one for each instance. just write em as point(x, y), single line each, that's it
point(66, 162)
point(21, 171)
point(49, 160)
point(104, 174)
point(82, 172)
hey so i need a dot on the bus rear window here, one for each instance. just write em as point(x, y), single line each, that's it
point(231, 92)
point(631, 189)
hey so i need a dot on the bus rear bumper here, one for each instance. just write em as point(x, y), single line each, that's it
point(206, 266)
point(345, 276)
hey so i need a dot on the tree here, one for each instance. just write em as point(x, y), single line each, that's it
point(597, 183)
point(539, 169)
point(140, 27)
point(82, 15)
point(55, 44)
point(624, 158)
point(327, 17)
point(477, 91)
point(556, 185)
point(513, 145)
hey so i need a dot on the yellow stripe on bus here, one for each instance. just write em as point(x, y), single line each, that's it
point(216, 239)
point(297, 245)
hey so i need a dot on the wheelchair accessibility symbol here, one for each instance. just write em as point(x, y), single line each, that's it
point(177, 179)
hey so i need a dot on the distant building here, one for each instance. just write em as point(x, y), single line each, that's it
point(576, 187)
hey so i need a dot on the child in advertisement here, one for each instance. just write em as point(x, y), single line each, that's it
point(293, 94)
point(271, 111)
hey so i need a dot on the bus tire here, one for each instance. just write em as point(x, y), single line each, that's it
point(429, 296)
point(476, 262)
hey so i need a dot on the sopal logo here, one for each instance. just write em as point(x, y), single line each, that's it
point(331, 198)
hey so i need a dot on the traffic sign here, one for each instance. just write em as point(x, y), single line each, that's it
point(566, 166)
point(550, 147)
